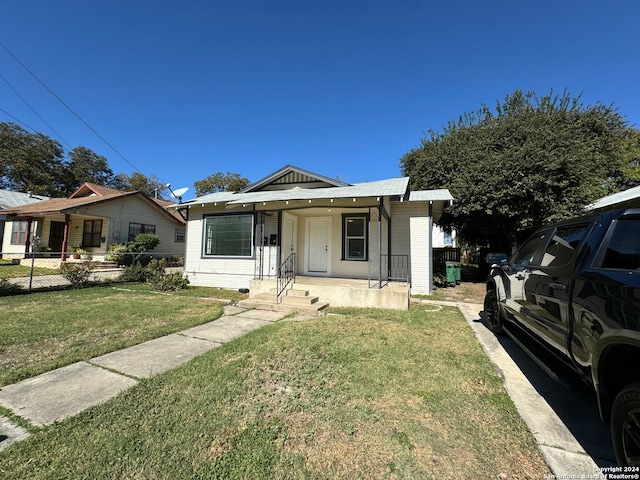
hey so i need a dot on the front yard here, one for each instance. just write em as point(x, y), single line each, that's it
point(355, 394)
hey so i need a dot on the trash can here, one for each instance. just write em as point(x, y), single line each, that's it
point(450, 268)
point(458, 273)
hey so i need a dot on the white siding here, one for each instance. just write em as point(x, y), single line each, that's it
point(411, 228)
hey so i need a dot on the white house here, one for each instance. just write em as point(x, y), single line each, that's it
point(297, 233)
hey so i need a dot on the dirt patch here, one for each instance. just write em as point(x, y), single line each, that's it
point(467, 292)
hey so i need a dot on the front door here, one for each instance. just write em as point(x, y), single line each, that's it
point(318, 234)
point(56, 236)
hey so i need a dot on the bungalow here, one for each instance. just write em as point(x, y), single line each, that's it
point(10, 199)
point(93, 218)
point(296, 236)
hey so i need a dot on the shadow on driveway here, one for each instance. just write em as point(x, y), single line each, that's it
point(576, 405)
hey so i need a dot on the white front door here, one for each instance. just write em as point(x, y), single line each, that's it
point(318, 245)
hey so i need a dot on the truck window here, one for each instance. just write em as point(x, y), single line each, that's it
point(563, 245)
point(525, 255)
point(623, 249)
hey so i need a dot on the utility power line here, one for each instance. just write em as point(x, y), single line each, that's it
point(70, 109)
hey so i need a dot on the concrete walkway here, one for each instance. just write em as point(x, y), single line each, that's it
point(67, 391)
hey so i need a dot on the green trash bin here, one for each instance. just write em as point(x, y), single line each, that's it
point(458, 273)
point(450, 268)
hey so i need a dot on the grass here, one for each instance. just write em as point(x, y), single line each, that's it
point(358, 394)
point(44, 331)
point(8, 270)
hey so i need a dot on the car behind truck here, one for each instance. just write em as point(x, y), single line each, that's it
point(574, 288)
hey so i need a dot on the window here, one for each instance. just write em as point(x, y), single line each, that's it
point(563, 245)
point(179, 238)
point(136, 228)
point(448, 239)
point(525, 255)
point(623, 248)
point(92, 233)
point(355, 237)
point(18, 232)
point(228, 235)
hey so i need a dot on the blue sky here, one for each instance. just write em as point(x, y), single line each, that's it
point(184, 89)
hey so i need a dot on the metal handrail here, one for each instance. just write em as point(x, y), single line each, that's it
point(286, 275)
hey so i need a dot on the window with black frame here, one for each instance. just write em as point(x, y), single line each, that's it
point(228, 235)
point(355, 244)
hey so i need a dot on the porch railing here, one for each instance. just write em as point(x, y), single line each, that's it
point(286, 275)
point(397, 267)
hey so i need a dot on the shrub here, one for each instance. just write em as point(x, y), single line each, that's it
point(116, 252)
point(135, 273)
point(7, 288)
point(77, 273)
point(143, 242)
point(169, 282)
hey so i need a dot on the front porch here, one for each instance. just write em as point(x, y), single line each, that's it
point(311, 294)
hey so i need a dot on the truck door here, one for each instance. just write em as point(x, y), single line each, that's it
point(547, 287)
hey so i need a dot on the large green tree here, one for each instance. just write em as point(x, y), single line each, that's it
point(219, 182)
point(529, 161)
point(151, 186)
point(30, 162)
point(84, 165)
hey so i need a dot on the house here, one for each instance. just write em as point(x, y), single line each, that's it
point(93, 217)
point(297, 233)
point(10, 199)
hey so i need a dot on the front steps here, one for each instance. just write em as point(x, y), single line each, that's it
point(292, 299)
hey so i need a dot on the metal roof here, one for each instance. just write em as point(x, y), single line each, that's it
point(381, 188)
point(618, 198)
point(431, 195)
point(15, 199)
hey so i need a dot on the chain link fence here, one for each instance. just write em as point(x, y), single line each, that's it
point(20, 272)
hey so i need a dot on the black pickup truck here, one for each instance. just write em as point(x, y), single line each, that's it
point(574, 288)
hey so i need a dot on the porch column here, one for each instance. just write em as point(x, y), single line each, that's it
point(27, 240)
point(65, 237)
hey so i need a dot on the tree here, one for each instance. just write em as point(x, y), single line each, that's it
point(85, 165)
point(533, 160)
point(151, 186)
point(30, 162)
point(231, 182)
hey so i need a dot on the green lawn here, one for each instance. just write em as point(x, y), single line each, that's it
point(8, 270)
point(43, 331)
point(356, 394)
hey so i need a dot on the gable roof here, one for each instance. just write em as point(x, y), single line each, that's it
point(88, 194)
point(9, 198)
point(289, 177)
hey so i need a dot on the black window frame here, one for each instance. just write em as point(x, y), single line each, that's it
point(144, 228)
point(346, 237)
point(208, 251)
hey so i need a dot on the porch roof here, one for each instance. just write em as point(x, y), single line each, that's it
point(381, 188)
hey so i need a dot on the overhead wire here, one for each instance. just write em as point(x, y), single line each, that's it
point(17, 120)
point(69, 108)
point(34, 111)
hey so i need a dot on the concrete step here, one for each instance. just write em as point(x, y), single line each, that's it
point(270, 304)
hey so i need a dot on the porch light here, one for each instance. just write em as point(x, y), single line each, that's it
point(332, 200)
point(309, 201)
point(287, 202)
point(354, 199)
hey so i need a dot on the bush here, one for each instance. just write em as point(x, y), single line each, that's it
point(77, 273)
point(116, 252)
point(135, 273)
point(169, 282)
point(7, 288)
point(143, 242)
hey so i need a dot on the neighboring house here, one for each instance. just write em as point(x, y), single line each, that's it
point(629, 198)
point(9, 199)
point(93, 217)
point(298, 223)
point(443, 237)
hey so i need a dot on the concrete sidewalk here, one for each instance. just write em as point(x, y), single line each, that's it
point(67, 391)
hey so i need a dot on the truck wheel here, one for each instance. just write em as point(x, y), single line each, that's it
point(492, 312)
point(625, 426)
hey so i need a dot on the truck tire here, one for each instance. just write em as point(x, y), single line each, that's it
point(625, 425)
point(492, 313)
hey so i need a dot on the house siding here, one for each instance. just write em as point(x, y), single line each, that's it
point(411, 235)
